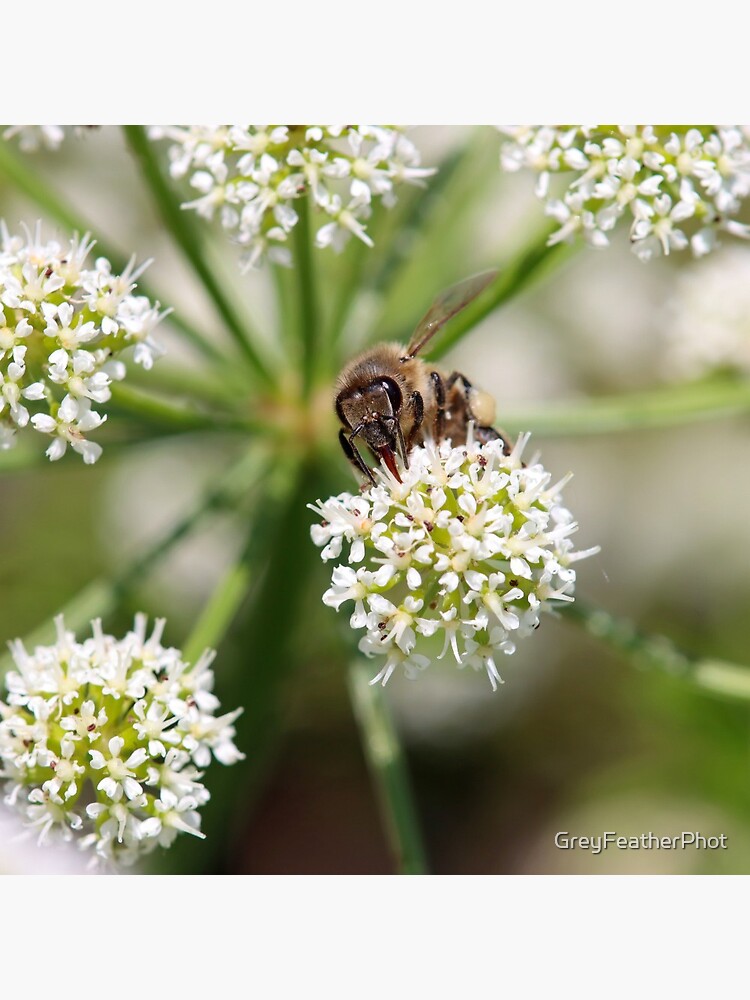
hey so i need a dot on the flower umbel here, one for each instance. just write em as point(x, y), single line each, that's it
point(101, 741)
point(459, 560)
point(62, 326)
point(251, 175)
point(678, 185)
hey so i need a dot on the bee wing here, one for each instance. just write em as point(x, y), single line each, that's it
point(445, 307)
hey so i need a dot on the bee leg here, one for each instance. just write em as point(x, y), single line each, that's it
point(485, 434)
point(452, 379)
point(350, 450)
point(482, 433)
point(393, 427)
point(400, 438)
point(417, 405)
point(439, 390)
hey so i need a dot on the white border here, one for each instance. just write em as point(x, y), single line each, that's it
point(473, 62)
point(379, 936)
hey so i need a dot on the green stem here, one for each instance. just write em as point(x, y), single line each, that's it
point(531, 264)
point(385, 759)
point(218, 614)
point(205, 385)
point(188, 237)
point(100, 598)
point(663, 407)
point(283, 279)
point(440, 203)
point(716, 677)
point(395, 232)
point(308, 316)
point(422, 243)
point(170, 415)
point(26, 180)
point(267, 651)
point(348, 284)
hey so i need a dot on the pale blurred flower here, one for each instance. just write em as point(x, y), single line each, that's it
point(33, 137)
point(678, 185)
point(62, 325)
point(459, 560)
point(101, 741)
point(20, 855)
point(707, 318)
point(251, 176)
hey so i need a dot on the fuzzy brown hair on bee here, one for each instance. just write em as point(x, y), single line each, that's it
point(394, 400)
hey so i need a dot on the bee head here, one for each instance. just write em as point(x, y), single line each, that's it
point(372, 412)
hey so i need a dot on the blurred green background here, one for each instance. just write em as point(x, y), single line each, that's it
point(576, 739)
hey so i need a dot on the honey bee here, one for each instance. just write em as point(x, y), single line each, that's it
point(395, 400)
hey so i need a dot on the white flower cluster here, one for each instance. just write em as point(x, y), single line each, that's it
point(678, 185)
point(706, 320)
point(62, 325)
point(34, 137)
point(251, 175)
point(460, 558)
point(104, 741)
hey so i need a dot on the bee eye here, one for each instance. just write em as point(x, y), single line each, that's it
point(394, 393)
